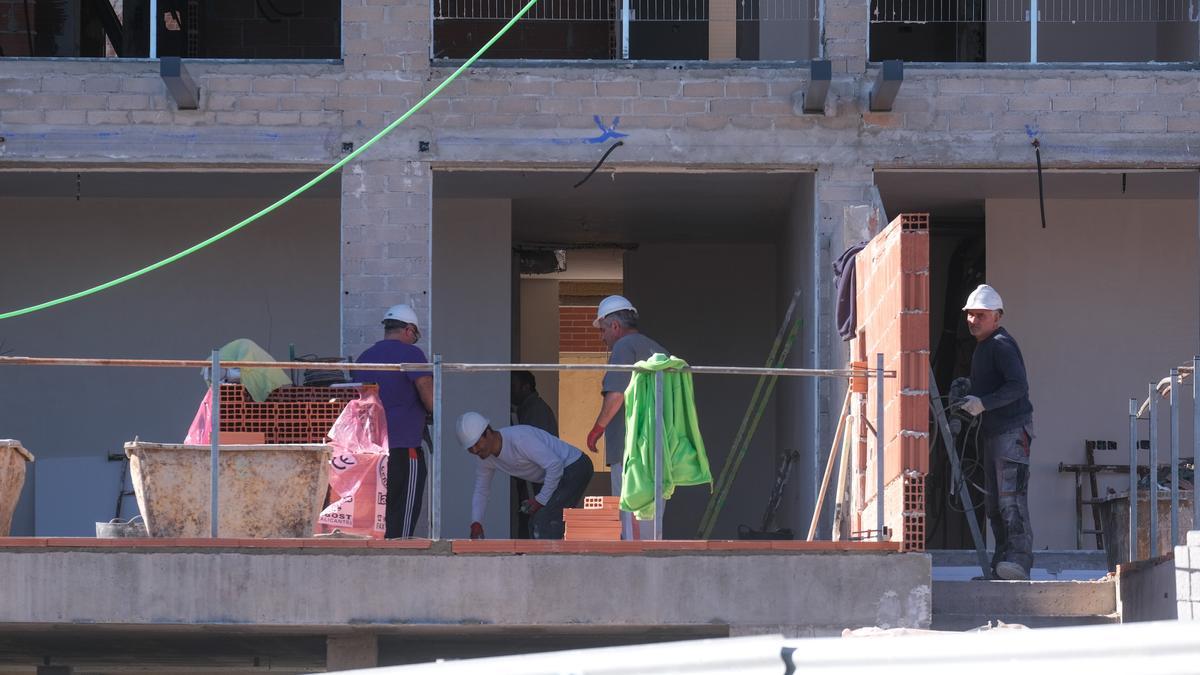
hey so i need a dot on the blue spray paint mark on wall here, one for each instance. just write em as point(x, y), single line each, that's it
point(607, 133)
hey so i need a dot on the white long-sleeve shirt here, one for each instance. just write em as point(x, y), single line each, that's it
point(527, 453)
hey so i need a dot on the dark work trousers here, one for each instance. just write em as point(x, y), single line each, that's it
point(405, 487)
point(1006, 478)
point(547, 523)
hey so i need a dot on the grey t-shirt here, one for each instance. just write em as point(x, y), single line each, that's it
point(626, 352)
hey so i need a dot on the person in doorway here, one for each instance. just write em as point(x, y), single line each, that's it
point(617, 320)
point(407, 397)
point(531, 454)
point(529, 409)
point(528, 405)
point(999, 396)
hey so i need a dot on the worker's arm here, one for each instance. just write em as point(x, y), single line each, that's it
point(483, 486)
point(1007, 360)
point(424, 385)
point(544, 457)
point(609, 408)
point(613, 400)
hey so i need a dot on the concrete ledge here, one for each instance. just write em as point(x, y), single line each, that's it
point(1146, 590)
point(804, 593)
point(1000, 599)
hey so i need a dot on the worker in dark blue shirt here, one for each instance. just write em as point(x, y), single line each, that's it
point(1000, 394)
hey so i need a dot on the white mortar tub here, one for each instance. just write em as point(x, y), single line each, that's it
point(13, 458)
point(265, 491)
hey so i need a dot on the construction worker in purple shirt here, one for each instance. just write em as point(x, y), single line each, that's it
point(406, 396)
point(999, 398)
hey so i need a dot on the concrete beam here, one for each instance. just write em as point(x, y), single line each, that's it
point(810, 593)
point(179, 83)
point(886, 86)
point(349, 652)
point(820, 75)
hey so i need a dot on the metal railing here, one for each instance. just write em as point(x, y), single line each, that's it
point(1148, 411)
point(439, 369)
point(1036, 12)
point(618, 15)
point(1020, 11)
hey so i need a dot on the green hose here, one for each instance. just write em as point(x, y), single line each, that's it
point(289, 197)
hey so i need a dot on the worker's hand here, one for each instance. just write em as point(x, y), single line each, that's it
point(530, 506)
point(594, 437)
point(476, 531)
point(972, 405)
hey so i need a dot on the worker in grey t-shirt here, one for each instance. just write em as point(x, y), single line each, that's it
point(617, 320)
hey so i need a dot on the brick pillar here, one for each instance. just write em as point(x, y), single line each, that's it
point(387, 192)
point(385, 246)
point(845, 33)
point(893, 317)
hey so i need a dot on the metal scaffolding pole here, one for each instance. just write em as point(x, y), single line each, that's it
point(658, 456)
point(1153, 471)
point(879, 440)
point(1195, 439)
point(435, 488)
point(214, 439)
point(1174, 456)
point(1133, 480)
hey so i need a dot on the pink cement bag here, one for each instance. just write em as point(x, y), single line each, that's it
point(358, 469)
point(200, 432)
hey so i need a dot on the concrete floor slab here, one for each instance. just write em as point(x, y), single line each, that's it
point(800, 592)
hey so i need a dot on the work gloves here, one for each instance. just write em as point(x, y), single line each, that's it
point(476, 531)
point(972, 405)
point(593, 438)
point(530, 506)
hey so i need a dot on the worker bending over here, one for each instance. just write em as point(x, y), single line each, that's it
point(531, 454)
point(1000, 392)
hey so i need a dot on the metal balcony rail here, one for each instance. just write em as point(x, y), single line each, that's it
point(1149, 412)
point(1048, 11)
point(610, 10)
point(439, 370)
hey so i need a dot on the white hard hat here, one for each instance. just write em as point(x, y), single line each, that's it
point(401, 313)
point(984, 297)
point(613, 303)
point(470, 428)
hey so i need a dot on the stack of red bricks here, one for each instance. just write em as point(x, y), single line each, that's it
point(289, 415)
point(598, 520)
point(893, 319)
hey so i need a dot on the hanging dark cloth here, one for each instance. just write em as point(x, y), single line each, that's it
point(847, 306)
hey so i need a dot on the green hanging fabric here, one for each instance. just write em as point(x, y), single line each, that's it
point(260, 382)
point(685, 461)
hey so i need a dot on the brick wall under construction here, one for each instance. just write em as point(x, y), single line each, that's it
point(893, 319)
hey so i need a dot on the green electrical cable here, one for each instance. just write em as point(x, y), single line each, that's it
point(292, 195)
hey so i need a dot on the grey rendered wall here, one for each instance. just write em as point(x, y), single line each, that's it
point(539, 333)
point(274, 282)
point(713, 305)
point(471, 308)
point(794, 398)
point(1102, 302)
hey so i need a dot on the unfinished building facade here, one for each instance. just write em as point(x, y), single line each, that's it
point(726, 194)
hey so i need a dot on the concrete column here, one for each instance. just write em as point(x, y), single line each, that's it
point(348, 652)
point(385, 245)
point(837, 186)
point(386, 196)
point(845, 35)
